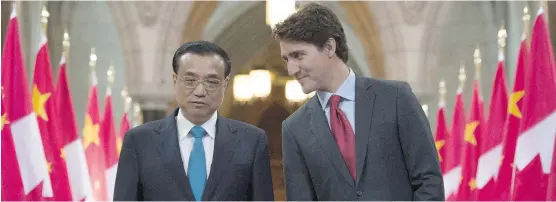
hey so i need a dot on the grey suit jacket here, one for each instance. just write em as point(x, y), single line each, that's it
point(396, 158)
point(151, 168)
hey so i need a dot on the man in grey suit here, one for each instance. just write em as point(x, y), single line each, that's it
point(195, 154)
point(391, 153)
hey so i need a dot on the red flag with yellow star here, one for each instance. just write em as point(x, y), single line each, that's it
point(73, 153)
point(490, 145)
point(108, 140)
point(454, 144)
point(44, 106)
point(24, 129)
point(124, 127)
point(440, 137)
point(473, 129)
point(92, 144)
point(535, 143)
point(511, 129)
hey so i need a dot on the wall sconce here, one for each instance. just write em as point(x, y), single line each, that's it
point(261, 83)
point(278, 10)
point(242, 88)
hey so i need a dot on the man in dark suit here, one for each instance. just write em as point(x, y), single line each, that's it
point(196, 154)
point(358, 138)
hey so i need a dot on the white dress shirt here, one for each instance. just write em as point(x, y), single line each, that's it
point(347, 103)
point(186, 139)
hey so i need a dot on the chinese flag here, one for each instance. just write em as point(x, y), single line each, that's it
point(24, 129)
point(43, 103)
point(490, 145)
point(92, 145)
point(73, 152)
point(473, 130)
point(454, 144)
point(535, 143)
point(440, 137)
point(124, 127)
point(511, 129)
point(108, 138)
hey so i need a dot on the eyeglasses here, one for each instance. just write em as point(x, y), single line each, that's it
point(210, 84)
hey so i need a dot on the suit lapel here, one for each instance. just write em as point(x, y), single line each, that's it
point(171, 156)
point(364, 104)
point(224, 147)
point(321, 129)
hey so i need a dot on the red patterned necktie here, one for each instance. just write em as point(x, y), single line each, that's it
point(343, 133)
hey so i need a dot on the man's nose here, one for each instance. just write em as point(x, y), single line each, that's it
point(292, 69)
point(200, 90)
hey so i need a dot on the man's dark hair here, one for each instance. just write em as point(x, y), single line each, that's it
point(313, 24)
point(202, 48)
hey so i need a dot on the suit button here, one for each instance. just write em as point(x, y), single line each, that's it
point(359, 193)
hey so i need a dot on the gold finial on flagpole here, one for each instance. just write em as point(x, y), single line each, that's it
point(44, 18)
point(526, 23)
point(110, 78)
point(66, 44)
point(137, 115)
point(461, 77)
point(477, 60)
point(442, 93)
point(127, 99)
point(93, 64)
point(502, 35)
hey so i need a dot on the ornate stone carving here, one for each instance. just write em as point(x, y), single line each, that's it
point(412, 11)
point(148, 12)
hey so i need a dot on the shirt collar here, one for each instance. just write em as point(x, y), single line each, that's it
point(185, 125)
point(346, 91)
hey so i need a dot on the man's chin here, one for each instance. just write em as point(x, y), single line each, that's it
point(307, 89)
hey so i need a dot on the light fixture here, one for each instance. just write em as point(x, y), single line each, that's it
point(242, 88)
point(294, 92)
point(278, 10)
point(261, 82)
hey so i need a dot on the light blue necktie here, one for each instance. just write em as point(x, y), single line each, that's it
point(196, 170)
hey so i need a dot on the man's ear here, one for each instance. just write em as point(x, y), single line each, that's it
point(174, 78)
point(330, 47)
point(226, 80)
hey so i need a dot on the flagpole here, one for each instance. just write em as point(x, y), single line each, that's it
point(461, 77)
point(127, 100)
point(526, 24)
point(477, 61)
point(44, 19)
point(110, 78)
point(137, 115)
point(442, 93)
point(502, 35)
point(93, 64)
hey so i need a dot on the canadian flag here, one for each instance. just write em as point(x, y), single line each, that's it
point(511, 129)
point(454, 145)
point(535, 143)
point(491, 144)
point(73, 152)
point(19, 113)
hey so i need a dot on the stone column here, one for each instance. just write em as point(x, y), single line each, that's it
point(30, 29)
point(552, 23)
point(6, 11)
point(514, 28)
point(153, 109)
